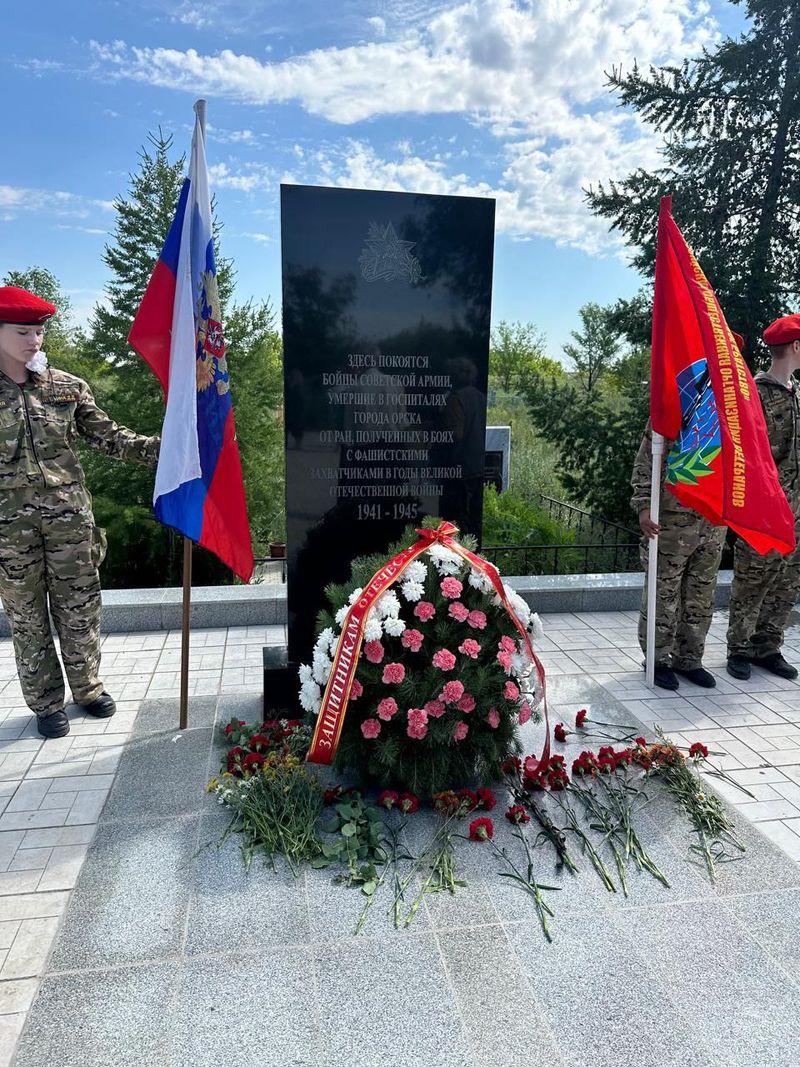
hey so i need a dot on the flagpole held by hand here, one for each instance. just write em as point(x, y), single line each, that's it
point(652, 559)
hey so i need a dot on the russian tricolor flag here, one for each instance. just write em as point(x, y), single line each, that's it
point(177, 330)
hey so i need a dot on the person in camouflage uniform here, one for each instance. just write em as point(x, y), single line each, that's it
point(689, 552)
point(50, 548)
point(765, 588)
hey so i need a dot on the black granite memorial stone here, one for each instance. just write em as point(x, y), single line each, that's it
point(386, 315)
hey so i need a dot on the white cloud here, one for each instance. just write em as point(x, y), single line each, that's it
point(378, 24)
point(50, 201)
point(262, 238)
point(531, 73)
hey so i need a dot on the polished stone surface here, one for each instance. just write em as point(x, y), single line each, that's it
point(386, 315)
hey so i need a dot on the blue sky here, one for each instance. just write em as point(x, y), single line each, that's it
point(484, 97)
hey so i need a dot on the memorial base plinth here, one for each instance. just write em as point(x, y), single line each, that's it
point(280, 684)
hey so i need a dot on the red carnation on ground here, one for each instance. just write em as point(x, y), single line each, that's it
point(698, 751)
point(511, 765)
point(259, 743)
point(408, 803)
point(557, 779)
point(393, 674)
point(487, 798)
point(330, 796)
point(387, 799)
point(481, 829)
point(468, 801)
point(446, 802)
point(641, 742)
point(253, 761)
point(517, 814)
point(560, 732)
point(580, 718)
point(374, 651)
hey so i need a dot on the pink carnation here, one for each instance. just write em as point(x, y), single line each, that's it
point(370, 728)
point(458, 612)
point(504, 660)
point(477, 620)
point(417, 723)
point(387, 708)
point(510, 691)
point(393, 673)
point(451, 588)
point(424, 610)
point(452, 692)
point(469, 648)
point(356, 689)
point(435, 708)
point(493, 718)
point(373, 650)
point(444, 660)
point(412, 640)
point(507, 644)
point(524, 713)
point(466, 703)
point(460, 731)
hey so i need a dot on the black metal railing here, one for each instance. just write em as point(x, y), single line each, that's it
point(594, 528)
point(564, 559)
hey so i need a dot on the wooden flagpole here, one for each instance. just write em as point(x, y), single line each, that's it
point(200, 111)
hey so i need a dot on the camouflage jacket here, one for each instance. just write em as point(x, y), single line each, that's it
point(640, 481)
point(39, 423)
point(782, 414)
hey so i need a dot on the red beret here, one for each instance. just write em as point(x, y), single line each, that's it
point(20, 306)
point(739, 340)
point(783, 331)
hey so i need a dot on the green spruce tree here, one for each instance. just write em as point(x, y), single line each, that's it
point(730, 121)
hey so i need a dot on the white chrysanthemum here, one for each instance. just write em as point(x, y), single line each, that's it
point(373, 631)
point(326, 640)
point(479, 581)
point(535, 626)
point(412, 590)
point(389, 605)
point(444, 560)
point(519, 606)
point(341, 615)
point(416, 571)
point(355, 595)
point(394, 627)
point(321, 668)
point(304, 673)
point(310, 697)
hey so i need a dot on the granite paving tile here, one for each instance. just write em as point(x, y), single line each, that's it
point(100, 1019)
point(132, 895)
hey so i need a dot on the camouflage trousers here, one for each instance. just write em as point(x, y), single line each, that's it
point(50, 550)
point(763, 593)
point(689, 551)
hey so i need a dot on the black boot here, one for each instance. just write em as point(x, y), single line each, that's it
point(102, 707)
point(739, 667)
point(776, 664)
point(55, 725)
point(699, 676)
point(664, 678)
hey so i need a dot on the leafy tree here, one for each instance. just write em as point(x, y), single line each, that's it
point(518, 350)
point(596, 348)
point(731, 126)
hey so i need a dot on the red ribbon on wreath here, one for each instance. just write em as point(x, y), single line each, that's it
point(345, 661)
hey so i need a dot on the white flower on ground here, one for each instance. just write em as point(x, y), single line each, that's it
point(412, 590)
point(394, 627)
